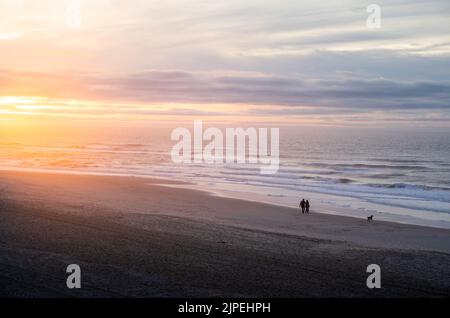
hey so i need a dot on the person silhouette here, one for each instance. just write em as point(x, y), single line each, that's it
point(303, 205)
point(307, 206)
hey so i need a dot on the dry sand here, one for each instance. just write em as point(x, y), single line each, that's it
point(135, 238)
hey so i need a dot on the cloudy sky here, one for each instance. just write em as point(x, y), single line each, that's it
point(301, 61)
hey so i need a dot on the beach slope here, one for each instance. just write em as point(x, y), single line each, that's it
point(134, 237)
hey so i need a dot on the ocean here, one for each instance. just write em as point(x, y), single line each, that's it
point(397, 174)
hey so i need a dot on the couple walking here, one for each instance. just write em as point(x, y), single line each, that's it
point(305, 206)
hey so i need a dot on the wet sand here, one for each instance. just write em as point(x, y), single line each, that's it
point(133, 237)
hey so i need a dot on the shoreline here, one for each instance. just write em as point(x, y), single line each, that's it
point(133, 237)
point(270, 221)
point(323, 208)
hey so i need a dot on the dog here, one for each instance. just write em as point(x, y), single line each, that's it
point(370, 218)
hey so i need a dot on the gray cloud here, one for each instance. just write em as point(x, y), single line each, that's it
point(274, 90)
point(187, 87)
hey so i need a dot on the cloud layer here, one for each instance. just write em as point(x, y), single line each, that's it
point(252, 89)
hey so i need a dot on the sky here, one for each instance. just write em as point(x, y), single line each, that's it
point(311, 62)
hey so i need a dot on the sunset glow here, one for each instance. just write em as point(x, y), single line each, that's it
point(222, 157)
point(155, 61)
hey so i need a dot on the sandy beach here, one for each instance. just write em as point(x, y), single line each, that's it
point(140, 237)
